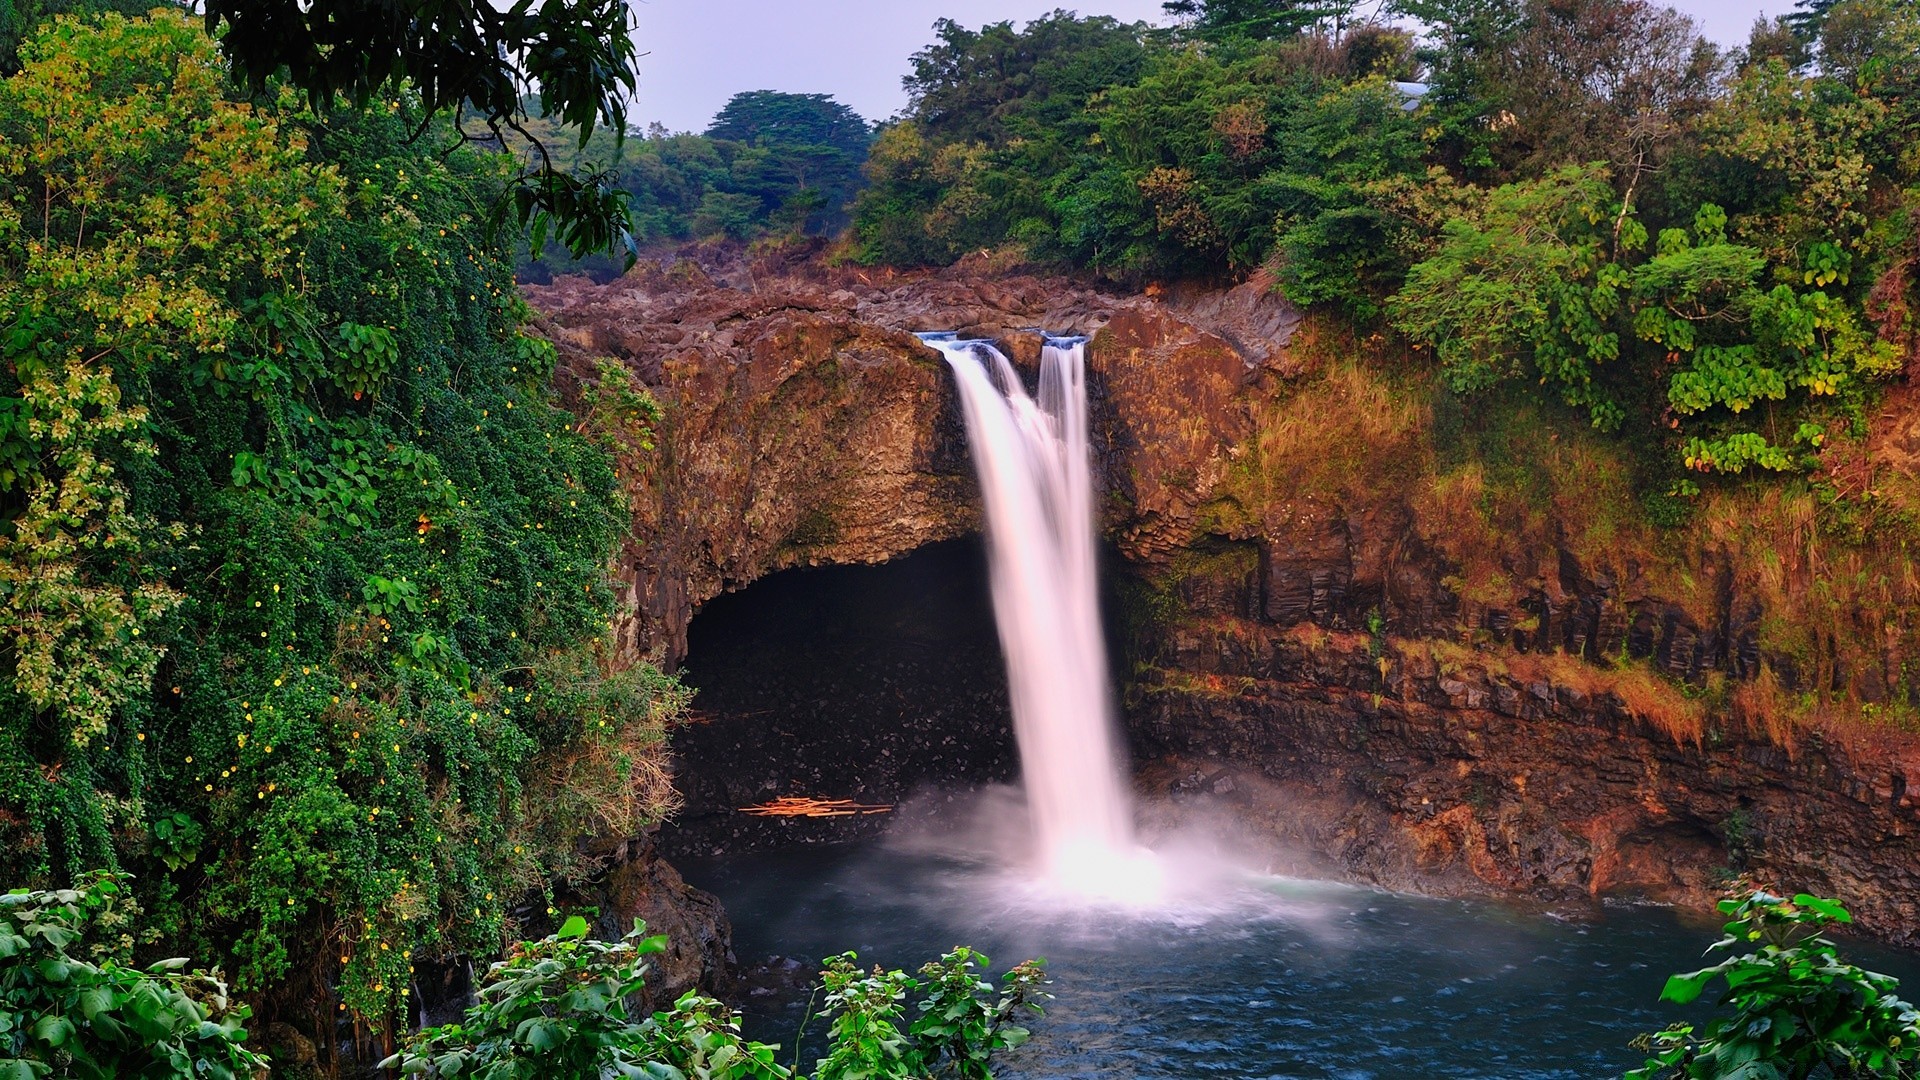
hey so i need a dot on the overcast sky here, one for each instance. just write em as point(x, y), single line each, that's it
point(701, 52)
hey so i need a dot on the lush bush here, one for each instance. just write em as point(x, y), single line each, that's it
point(73, 1005)
point(1791, 1008)
point(557, 1009)
point(303, 570)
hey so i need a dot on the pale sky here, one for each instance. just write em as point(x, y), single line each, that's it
point(701, 52)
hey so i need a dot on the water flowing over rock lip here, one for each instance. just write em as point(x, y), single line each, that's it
point(806, 424)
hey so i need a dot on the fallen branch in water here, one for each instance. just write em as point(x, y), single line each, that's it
point(808, 806)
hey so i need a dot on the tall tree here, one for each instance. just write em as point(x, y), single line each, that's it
point(1604, 80)
point(990, 84)
point(803, 159)
point(1257, 20)
point(576, 58)
point(769, 117)
point(19, 17)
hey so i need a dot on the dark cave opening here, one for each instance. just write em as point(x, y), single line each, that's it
point(865, 683)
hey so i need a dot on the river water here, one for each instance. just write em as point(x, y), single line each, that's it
point(1256, 977)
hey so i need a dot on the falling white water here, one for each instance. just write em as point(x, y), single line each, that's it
point(1032, 458)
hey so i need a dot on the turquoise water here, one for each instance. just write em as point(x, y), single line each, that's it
point(1249, 977)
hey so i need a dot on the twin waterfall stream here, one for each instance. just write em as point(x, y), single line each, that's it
point(1033, 461)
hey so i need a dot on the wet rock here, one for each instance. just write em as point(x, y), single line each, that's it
point(805, 424)
point(642, 885)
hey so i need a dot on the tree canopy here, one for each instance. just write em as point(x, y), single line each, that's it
point(464, 59)
point(1708, 252)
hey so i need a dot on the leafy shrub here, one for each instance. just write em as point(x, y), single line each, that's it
point(1792, 1008)
point(71, 1004)
point(557, 1009)
point(954, 1032)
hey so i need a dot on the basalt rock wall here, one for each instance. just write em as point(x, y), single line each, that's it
point(804, 424)
point(1546, 709)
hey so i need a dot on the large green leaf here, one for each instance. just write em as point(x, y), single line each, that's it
point(1685, 989)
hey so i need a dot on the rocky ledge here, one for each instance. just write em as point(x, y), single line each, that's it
point(1421, 704)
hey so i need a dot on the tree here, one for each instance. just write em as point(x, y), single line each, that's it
point(979, 85)
point(576, 58)
point(1255, 20)
point(19, 18)
point(1604, 80)
point(810, 150)
point(1548, 279)
point(772, 118)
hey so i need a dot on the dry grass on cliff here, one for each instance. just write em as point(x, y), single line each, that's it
point(1640, 690)
point(610, 787)
point(1347, 432)
point(1839, 611)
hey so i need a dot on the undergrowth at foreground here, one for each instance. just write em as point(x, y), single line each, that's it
point(1792, 1008)
point(557, 1009)
point(72, 1005)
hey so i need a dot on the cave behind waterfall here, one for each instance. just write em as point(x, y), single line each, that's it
point(866, 683)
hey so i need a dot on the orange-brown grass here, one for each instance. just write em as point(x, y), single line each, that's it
point(611, 784)
point(1346, 434)
point(1642, 691)
point(809, 806)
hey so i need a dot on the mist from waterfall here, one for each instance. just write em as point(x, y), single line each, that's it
point(1034, 465)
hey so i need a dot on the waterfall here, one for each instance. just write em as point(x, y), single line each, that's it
point(1033, 461)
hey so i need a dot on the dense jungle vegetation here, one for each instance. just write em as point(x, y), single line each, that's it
point(771, 165)
point(1711, 251)
point(304, 600)
point(303, 586)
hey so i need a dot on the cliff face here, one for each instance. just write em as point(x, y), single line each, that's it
point(804, 423)
point(1445, 648)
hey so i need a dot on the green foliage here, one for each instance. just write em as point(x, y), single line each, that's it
point(553, 1008)
point(998, 84)
point(303, 569)
point(1257, 20)
point(958, 1025)
point(1791, 1009)
point(579, 56)
point(770, 164)
point(72, 1004)
point(557, 1009)
point(1526, 287)
point(20, 18)
point(1087, 143)
point(1717, 266)
point(1548, 280)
